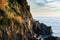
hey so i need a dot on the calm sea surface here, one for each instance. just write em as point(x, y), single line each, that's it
point(54, 22)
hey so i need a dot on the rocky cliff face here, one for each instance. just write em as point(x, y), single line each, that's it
point(15, 19)
point(16, 22)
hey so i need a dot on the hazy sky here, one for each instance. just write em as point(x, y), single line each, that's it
point(42, 8)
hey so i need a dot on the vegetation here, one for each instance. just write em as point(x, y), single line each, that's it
point(12, 19)
point(5, 21)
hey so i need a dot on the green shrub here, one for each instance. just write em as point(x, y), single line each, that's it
point(6, 21)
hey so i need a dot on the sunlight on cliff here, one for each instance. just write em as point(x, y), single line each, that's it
point(13, 17)
point(18, 19)
point(3, 3)
point(10, 15)
point(1, 17)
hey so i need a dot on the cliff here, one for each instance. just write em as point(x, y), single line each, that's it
point(17, 23)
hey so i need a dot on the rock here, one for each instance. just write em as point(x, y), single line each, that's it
point(58, 38)
point(46, 29)
point(36, 27)
point(51, 38)
point(17, 23)
point(42, 31)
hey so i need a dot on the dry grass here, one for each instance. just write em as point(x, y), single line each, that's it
point(3, 3)
point(18, 19)
point(10, 15)
point(1, 17)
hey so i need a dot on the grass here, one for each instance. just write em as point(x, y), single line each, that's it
point(10, 15)
point(3, 3)
point(18, 19)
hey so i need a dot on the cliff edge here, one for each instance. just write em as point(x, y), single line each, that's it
point(17, 23)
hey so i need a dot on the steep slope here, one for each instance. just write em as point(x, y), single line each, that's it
point(16, 22)
point(15, 17)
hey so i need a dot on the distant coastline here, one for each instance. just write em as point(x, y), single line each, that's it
point(54, 22)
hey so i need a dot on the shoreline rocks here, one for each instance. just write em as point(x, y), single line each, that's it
point(43, 31)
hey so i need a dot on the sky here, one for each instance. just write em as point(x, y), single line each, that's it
point(42, 8)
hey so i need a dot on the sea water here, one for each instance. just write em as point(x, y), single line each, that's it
point(54, 22)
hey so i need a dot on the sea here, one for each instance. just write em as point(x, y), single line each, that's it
point(54, 22)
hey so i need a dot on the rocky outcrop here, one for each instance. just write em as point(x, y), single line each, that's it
point(42, 31)
point(16, 22)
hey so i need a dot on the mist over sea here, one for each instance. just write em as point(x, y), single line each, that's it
point(54, 22)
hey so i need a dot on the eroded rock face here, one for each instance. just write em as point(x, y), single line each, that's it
point(14, 20)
